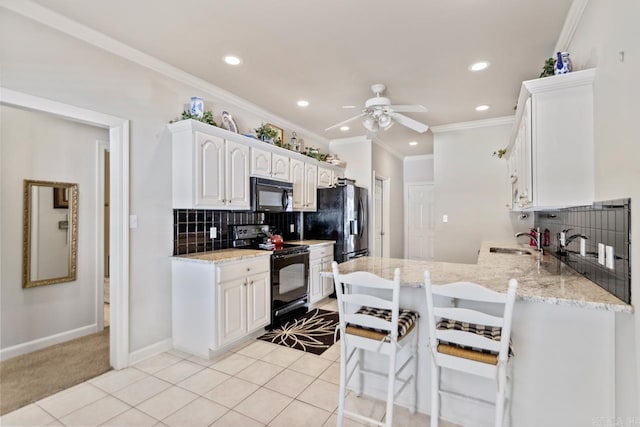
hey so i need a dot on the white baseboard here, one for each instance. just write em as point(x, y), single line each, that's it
point(40, 343)
point(150, 350)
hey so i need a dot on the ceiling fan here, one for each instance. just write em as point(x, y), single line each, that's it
point(379, 114)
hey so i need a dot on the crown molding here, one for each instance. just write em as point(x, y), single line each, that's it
point(418, 158)
point(498, 121)
point(49, 18)
point(570, 26)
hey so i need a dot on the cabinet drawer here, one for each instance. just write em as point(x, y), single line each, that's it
point(321, 251)
point(237, 269)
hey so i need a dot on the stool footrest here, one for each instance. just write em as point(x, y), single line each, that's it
point(465, 397)
point(363, 418)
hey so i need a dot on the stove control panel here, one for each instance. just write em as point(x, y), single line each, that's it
point(244, 232)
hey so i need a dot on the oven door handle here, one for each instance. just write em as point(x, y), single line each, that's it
point(275, 256)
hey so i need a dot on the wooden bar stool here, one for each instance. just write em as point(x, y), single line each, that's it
point(376, 324)
point(469, 340)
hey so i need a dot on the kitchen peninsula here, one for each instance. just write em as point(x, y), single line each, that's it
point(563, 336)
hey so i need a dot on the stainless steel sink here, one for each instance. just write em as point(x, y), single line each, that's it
point(511, 251)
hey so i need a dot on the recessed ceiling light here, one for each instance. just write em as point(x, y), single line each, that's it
point(232, 60)
point(348, 106)
point(344, 128)
point(303, 103)
point(413, 143)
point(482, 108)
point(479, 66)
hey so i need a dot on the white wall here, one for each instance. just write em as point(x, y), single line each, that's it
point(42, 147)
point(605, 29)
point(47, 63)
point(386, 164)
point(469, 186)
point(357, 152)
point(418, 168)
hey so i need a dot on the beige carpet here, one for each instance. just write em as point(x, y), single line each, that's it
point(31, 377)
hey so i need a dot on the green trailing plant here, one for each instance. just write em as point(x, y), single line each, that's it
point(500, 153)
point(265, 133)
point(547, 69)
point(207, 118)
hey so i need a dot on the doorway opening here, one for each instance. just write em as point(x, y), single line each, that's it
point(381, 215)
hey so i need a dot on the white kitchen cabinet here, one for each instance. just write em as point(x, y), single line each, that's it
point(325, 177)
point(267, 164)
point(304, 177)
point(217, 303)
point(552, 141)
point(320, 259)
point(209, 172)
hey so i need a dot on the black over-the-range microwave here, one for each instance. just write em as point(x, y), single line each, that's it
point(268, 195)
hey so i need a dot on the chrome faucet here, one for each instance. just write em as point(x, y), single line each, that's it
point(535, 238)
point(563, 242)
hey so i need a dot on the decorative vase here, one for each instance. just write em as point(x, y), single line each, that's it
point(563, 63)
point(197, 107)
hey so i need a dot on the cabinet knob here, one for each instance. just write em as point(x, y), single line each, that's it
point(248, 269)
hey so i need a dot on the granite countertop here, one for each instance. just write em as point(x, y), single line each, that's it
point(540, 279)
point(311, 242)
point(222, 255)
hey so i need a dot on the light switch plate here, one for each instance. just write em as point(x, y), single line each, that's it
point(601, 253)
point(292, 228)
point(213, 232)
point(609, 258)
point(133, 221)
point(583, 246)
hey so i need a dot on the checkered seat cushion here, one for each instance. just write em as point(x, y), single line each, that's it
point(406, 322)
point(478, 354)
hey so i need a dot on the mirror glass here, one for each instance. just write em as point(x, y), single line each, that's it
point(50, 233)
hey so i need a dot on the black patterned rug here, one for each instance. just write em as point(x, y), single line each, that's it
point(312, 332)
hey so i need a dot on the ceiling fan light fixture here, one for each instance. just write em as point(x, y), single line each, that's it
point(384, 120)
point(368, 123)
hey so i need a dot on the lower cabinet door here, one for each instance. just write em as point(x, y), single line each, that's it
point(258, 301)
point(327, 282)
point(232, 310)
point(315, 281)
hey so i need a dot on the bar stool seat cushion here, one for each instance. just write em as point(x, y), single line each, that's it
point(478, 354)
point(406, 322)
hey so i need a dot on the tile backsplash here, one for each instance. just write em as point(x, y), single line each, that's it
point(603, 222)
point(191, 227)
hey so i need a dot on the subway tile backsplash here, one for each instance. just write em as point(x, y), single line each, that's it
point(603, 222)
point(191, 227)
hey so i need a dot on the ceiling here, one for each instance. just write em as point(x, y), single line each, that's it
point(330, 52)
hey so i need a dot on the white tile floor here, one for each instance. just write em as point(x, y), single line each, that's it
point(259, 384)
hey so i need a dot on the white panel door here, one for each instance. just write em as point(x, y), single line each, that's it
point(311, 187)
point(378, 218)
point(297, 178)
point(210, 171)
point(260, 163)
point(280, 167)
point(237, 176)
point(258, 300)
point(420, 223)
point(232, 310)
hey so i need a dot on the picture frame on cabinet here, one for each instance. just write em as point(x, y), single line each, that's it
point(280, 136)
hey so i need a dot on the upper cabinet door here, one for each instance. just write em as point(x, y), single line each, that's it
point(325, 177)
point(311, 187)
point(260, 163)
point(237, 176)
point(297, 178)
point(210, 171)
point(280, 167)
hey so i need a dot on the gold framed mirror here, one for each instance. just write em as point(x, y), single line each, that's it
point(49, 233)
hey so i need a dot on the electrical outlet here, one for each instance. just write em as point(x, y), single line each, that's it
point(133, 221)
point(213, 232)
point(601, 253)
point(609, 258)
point(292, 228)
point(583, 246)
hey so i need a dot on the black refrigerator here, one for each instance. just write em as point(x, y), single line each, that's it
point(341, 216)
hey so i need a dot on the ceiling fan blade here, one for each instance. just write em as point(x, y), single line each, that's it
point(409, 122)
point(364, 113)
point(409, 108)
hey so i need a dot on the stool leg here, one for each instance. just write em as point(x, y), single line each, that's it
point(391, 384)
point(415, 373)
point(360, 374)
point(435, 394)
point(343, 379)
point(500, 396)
